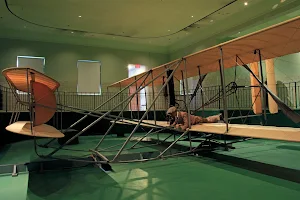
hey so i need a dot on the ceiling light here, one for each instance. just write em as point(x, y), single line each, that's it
point(275, 6)
point(72, 32)
point(212, 20)
point(246, 3)
point(281, 1)
point(168, 30)
point(239, 32)
point(79, 16)
point(192, 16)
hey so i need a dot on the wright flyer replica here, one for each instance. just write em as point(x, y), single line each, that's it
point(246, 52)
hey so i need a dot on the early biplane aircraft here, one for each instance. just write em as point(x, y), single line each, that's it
point(269, 43)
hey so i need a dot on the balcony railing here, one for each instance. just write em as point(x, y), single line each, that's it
point(288, 93)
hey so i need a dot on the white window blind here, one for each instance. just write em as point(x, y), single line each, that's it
point(89, 77)
point(36, 63)
point(191, 85)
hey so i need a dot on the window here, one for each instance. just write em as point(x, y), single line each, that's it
point(36, 63)
point(89, 77)
point(135, 104)
point(191, 85)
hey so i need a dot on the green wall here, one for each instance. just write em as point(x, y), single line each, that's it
point(61, 60)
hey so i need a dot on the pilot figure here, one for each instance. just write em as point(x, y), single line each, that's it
point(181, 118)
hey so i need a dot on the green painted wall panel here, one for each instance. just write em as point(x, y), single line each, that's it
point(61, 60)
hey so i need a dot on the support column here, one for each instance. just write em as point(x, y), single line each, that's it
point(271, 82)
point(255, 91)
point(171, 89)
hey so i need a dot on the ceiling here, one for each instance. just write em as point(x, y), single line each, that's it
point(161, 26)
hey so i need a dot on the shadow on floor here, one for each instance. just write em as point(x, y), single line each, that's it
point(78, 183)
point(289, 147)
point(272, 173)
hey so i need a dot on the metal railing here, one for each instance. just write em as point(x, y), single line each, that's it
point(288, 93)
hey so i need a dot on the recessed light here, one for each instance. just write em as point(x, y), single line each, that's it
point(246, 3)
point(275, 6)
point(168, 30)
point(192, 16)
point(212, 20)
point(79, 16)
point(239, 32)
point(72, 32)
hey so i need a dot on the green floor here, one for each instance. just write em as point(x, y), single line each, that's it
point(23, 152)
point(14, 188)
point(177, 178)
point(174, 178)
point(279, 153)
point(283, 154)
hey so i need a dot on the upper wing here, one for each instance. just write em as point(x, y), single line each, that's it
point(275, 41)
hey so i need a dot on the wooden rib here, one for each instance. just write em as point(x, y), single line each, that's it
point(17, 76)
point(275, 41)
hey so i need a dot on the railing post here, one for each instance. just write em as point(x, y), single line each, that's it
point(64, 101)
point(94, 100)
point(6, 99)
point(219, 98)
point(296, 95)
